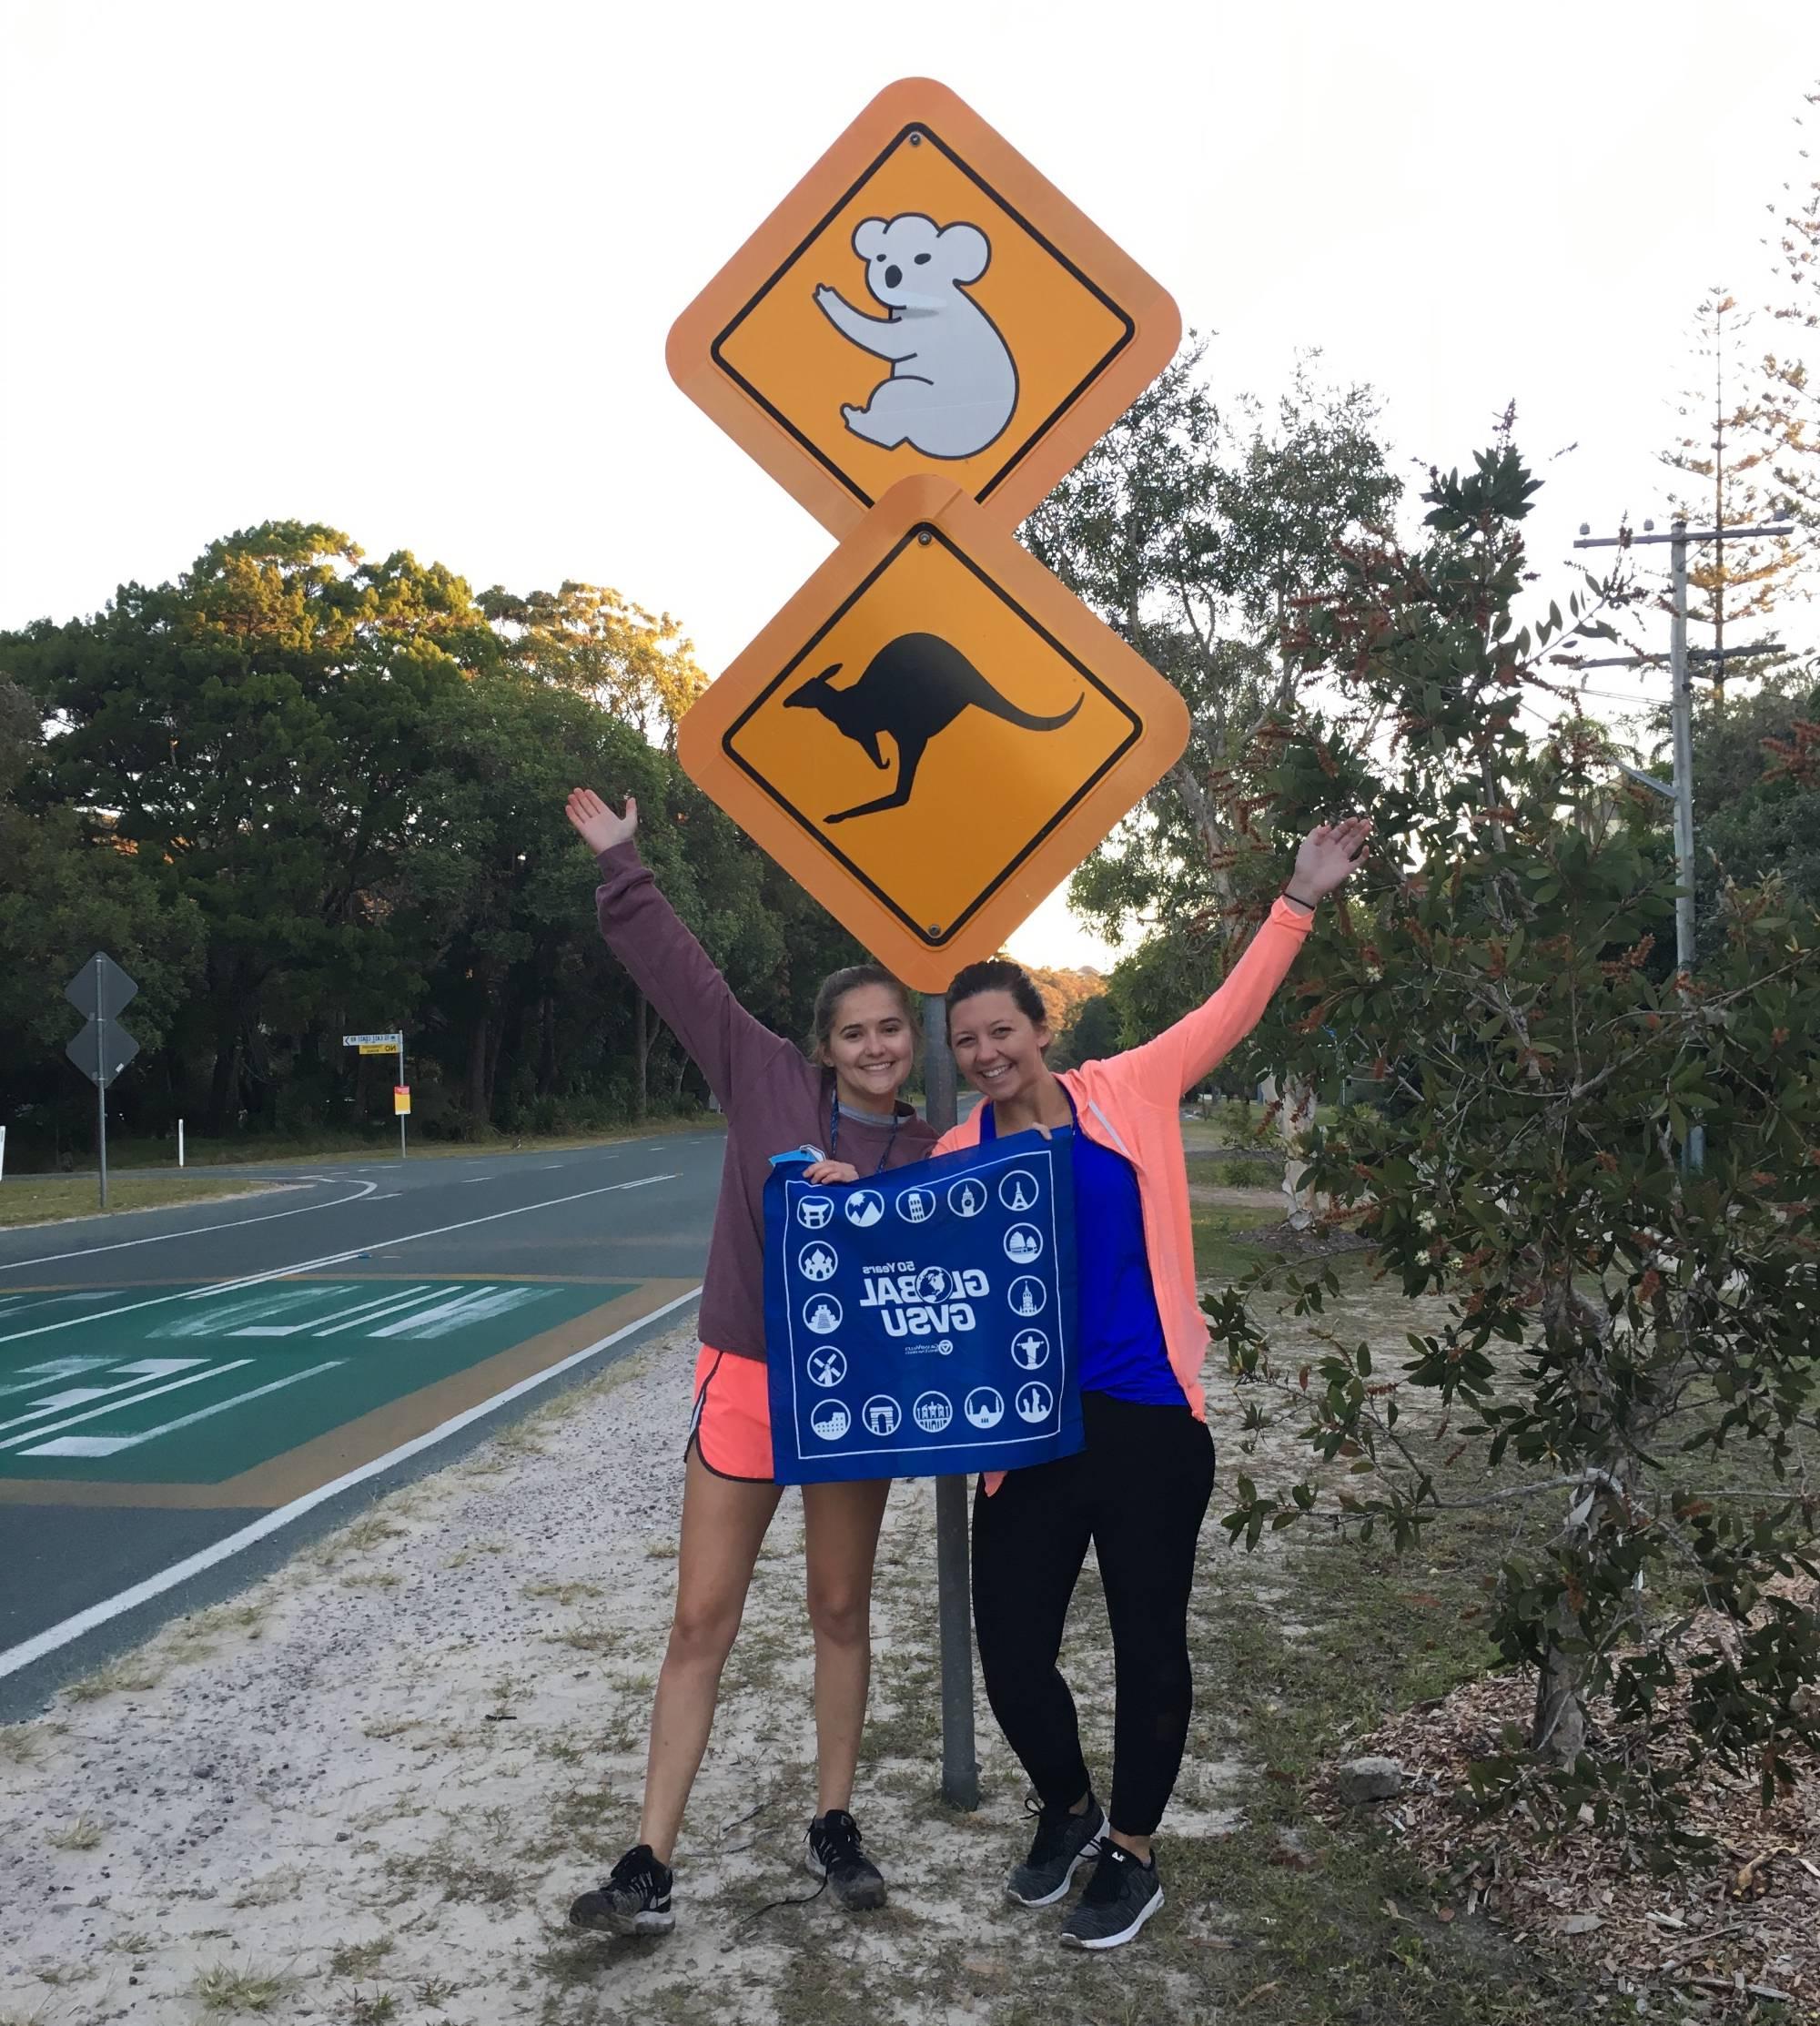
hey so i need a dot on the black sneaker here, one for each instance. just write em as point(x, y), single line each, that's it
point(634, 1901)
point(1063, 1843)
point(1120, 1897)
point(834, 1855)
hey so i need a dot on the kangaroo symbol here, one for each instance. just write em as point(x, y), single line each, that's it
point(914, 687)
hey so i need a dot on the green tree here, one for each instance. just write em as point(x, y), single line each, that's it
point(1093, 1032)
point(633, 664)
point(1613, 1318)
point(1729, 455)
point(1202, 542)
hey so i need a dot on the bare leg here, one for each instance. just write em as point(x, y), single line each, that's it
point(840, 1525)
point(723, 1524)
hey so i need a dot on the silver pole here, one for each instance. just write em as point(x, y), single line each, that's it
point(101, 1074)
point(960, 1763)
point(402, 1150)
point(1682, 712)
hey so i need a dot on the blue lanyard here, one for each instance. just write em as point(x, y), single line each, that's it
point(834, 1131)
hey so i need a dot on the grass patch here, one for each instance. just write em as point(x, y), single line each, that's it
point(131, 1675)
point(355, 1960)
point(83, 1834)
point(1220, 1250)
point(55, 1199)
point(223, 1989)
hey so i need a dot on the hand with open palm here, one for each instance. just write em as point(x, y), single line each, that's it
point(1329, 856)
point(596, 824)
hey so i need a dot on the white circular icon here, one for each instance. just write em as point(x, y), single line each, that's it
point(984, 1406)
point(864, 1206)
point(1030, 1349)
point(814, 1212)
point(1018, 1189)
point(932, 1284)
point(1028, 1297)
point(880, 1414)
point(945, 1347)
point(831, 1420)
point(932, 1412)
point(817, 1263)
point(827, 1365)
point(917, 1206)
point(966, 1198)
point(821, 1315)
point(1034, 1401)
point(1023, 1244)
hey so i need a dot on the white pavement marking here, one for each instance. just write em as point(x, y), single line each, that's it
point(141, 1369)
point(377, 1308)
point(111, 1445)
point(333, 1259)
point(334, 1315)
point(238, 1223)
point(47, 1641)
point(113, 1406)
point(479, 1305)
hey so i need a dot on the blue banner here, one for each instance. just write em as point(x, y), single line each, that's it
point(922, 1324)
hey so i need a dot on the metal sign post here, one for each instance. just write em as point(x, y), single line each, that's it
point(387, 1044)
point(102, 990)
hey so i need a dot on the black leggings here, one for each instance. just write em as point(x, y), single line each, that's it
point(1139, 1492)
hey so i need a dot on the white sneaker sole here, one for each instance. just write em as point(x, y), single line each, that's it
point(1125, 1935)
point(1088, 1853)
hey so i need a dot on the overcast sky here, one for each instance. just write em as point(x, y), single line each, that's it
point(406, 268)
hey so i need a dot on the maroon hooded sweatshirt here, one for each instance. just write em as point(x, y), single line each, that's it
point(773, 1098)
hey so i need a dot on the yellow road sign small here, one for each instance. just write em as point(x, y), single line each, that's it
point(923, 301)
point(932, 732)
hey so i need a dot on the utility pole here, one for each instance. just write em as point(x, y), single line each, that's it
point(1681, 720)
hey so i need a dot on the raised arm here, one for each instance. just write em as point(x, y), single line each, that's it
point(665, 961)
point(1181, 1056)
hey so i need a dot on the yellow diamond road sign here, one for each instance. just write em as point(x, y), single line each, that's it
point(932, 732)
point(924, 301)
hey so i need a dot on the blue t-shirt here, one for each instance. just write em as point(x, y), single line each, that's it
point(1122, 1350)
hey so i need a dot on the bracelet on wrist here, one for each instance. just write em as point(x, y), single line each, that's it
point(1289, 895)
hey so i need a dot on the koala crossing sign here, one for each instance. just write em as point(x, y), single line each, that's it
point(920, 341)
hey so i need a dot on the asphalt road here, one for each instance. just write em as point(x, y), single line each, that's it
point(193, 1391)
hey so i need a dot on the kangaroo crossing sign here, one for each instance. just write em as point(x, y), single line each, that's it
point(918, 343)
point(931, 732)
point(923, 301)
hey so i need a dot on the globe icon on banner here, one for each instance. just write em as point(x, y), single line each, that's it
point(932, 1284)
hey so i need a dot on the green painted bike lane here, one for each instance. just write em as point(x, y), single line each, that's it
point(163, 1385)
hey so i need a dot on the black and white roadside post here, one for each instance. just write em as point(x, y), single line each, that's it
point(101, 991)
point(960, 1763)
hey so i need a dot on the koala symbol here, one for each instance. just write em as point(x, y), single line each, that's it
point(953, 382)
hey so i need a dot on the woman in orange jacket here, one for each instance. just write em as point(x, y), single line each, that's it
point(1138, 1491)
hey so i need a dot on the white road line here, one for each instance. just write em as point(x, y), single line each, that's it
point(468, 1179)
point(114, 1406)
point(89, 1446)
point(47, 1641)
point(377, 1308)
point(239, 1223)
point(330, 1259)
